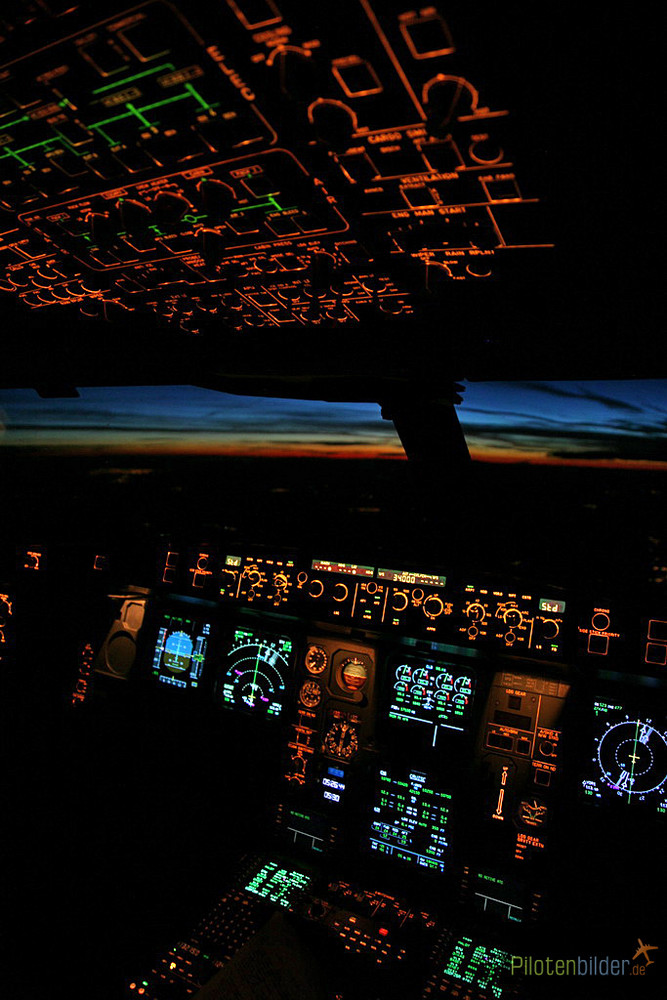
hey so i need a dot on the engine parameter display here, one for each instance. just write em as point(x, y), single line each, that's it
point(410, 819)
point(180, 651)
point(436, 694)
point(255, 672)
point(629, 759)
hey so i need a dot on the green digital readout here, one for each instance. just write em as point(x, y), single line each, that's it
point(433, 694)
point(410, 820)
point(486, 968)
point(553, 606)
point(277, 885)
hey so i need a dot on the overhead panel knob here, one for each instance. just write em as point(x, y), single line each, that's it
point(213, 244)
point(102, 226)
point(445, 99)
point(297, 72)
point(218, 199)
point(134, 215)
point(322, 271)
point(333, 122)
point(170, 208)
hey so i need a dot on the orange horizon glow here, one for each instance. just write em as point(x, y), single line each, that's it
point(354, 452)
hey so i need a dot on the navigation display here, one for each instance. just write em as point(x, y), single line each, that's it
point(410, 819)
point(432, 694)
point(180, 651)
point(255, 672)
point(629, 758)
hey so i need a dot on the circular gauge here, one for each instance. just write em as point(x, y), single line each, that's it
point(353, 674)
point(433, 606)
point(600, 621)
point(341, 739)
point(254, 678)
point(444, 681)
point(463, 685)
point(476, 612)
point(550, 628)
point(316, 660)
point(513, 617)
point(310, 694)
point(400, 600)
point(632, 756)
point(254, 577)
point(421, 677)
point(177, 655)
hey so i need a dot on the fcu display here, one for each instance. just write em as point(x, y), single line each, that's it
point(629, 762)
point(180, 651)
point(433, 694)
point(255, 673)
point(410, 819)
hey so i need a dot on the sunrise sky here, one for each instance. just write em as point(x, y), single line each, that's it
point(620, 423)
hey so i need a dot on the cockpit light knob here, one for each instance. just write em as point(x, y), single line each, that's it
point(134, 215)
